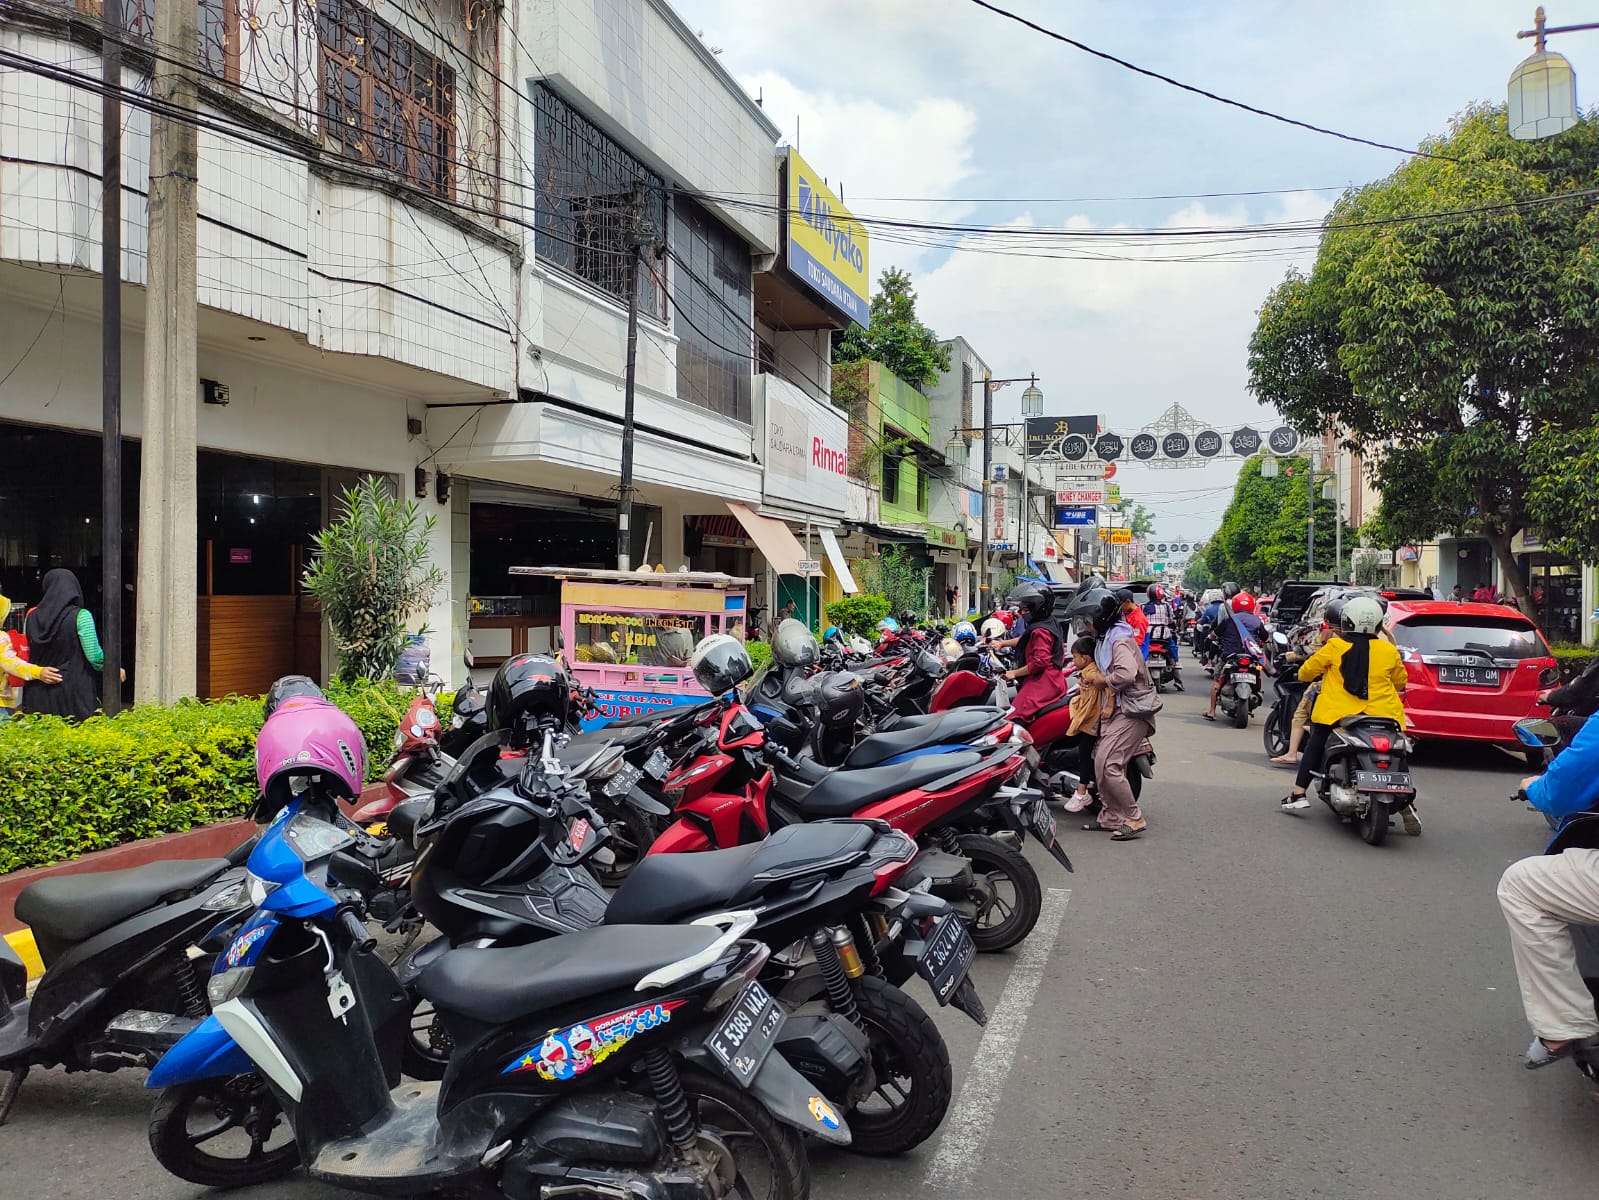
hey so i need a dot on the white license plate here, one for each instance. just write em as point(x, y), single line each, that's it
point(1243, 677)
point(1157, 660)
point(1470, 676)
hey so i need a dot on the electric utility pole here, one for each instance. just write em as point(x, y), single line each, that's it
point(641, 238)
point(168, 533)
point(111, 361)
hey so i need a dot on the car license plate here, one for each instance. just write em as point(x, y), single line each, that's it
point(1384, 781)
point(745, 1036)
point(657, 765)
point(1470, 676)
point(947, 957)
point(1042, 822)
point(1243, 677)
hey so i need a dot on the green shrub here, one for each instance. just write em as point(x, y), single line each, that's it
point(1572, 660)
point(67, 789)
point(859, 613)
point(760, 654)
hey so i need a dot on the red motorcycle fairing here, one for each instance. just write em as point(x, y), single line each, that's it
point(959, 687)
point(914, 811)
point(717, 820)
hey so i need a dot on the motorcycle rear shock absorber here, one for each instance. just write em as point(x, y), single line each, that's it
point(866, 944)
point(189, 993)
point(668, 1088)
point(834, 974)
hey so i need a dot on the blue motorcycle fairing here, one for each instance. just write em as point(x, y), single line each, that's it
point(911, 755)
point(276, 861)
point(205, 1052)
point(248, 944)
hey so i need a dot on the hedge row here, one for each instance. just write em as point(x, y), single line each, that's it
point(1572, 660)
point(67, 789)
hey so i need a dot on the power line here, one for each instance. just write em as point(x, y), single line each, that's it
point(1199, 91)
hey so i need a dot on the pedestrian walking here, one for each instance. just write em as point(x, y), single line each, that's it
point(1126, 719)
point(951, 595)
point(16, 671)
point(61, 634)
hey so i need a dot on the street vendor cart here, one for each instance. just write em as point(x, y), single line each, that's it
point(629, 634)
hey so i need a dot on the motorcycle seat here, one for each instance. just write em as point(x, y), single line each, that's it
point(501, 984)
point(917, 733)
point(1354, 719)
point(843, 792)
point(73, 908)
point(665, 888)
point(580, 746)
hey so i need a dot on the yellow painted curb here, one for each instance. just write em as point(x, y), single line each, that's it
point(22, 942)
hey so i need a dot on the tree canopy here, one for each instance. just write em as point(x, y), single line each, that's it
point(1261, 539)
point(897, 338)
point(1450, 327)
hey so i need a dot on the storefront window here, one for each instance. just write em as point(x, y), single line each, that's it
point(662, 639)
point(712, 285)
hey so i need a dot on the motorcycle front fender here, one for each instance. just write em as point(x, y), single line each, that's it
point(207, 1051)
point(789, 1097)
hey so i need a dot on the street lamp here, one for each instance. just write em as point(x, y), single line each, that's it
point(989, 384)
point(1542, 94)
point(1032, 406)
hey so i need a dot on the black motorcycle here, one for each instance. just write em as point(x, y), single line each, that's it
point(1364, 774)
point(120, 986)
point(1240, 693)
point(1288, 691)
point(508, 869)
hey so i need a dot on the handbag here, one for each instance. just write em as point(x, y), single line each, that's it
point(1143, 705)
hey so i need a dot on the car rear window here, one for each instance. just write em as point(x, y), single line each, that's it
point(1498, 637)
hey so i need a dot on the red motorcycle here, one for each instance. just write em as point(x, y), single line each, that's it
point(743, 782)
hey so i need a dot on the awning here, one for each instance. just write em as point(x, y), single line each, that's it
point(835, 556)
point(779, 546)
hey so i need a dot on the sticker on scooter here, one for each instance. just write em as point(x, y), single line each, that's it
point(568, 1053)
point(824, 1113)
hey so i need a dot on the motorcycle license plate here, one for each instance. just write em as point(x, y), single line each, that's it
point(1157, 660)
point(657, 765)
point(1384, 781)
point(947, 957)
point(1470, 676)
point(1042, 822)
point(1243, 677)
point(743, 1038)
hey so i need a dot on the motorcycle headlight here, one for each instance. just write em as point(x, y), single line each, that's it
point(228, 899)
point(258, 889)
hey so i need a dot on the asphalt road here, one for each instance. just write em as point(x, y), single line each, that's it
point(1241, 1004)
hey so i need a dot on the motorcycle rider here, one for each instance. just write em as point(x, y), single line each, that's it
point(1542, 897)
point(1360, 673)
point(1041, 652)
point(1161, 627)
point(1230, 637)
point(1579, 699)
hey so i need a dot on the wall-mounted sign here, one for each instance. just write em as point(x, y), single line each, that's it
point(1070, 517)
point(241, 555)
point(807, 442)
point(826, 245)
point(1088, 469)
point(1080, 494)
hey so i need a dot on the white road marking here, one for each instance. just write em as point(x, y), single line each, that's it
point(969, 1121)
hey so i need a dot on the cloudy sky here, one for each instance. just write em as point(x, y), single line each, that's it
point(980, 120)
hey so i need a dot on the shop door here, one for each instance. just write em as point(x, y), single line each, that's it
point(792, 589)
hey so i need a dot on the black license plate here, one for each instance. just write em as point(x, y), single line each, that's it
point(657, 766)
point(745, 1036)
point(1384, 781)
point(1042, 822)
point(1470, 676)
point(947, 957)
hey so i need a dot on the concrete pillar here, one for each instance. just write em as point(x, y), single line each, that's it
point(440, 619)
point(670, 536)
point(165, 595)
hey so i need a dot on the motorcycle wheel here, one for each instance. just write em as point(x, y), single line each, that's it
point(1273, 734)
point(426, 1050)
point(1373, 826)
point(190, 1118)
point(914, 1080)
point(1002, 921)
point(1240, 714)
point(769, 1157)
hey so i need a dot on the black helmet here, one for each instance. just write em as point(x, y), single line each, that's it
point(721, 663)
point(839, 699)
point(1230, 589)
point(1085, 605)
point(289, 686)
point(529, 690)
point(1033, 600)
point(1107, 613)
point(793, 645)
point(908, 618)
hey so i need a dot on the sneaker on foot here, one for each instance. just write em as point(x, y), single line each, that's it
point(1411, 820)
point(1078, 802)
point(1295, 803)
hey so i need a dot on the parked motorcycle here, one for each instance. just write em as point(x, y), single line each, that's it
point(626, 1060)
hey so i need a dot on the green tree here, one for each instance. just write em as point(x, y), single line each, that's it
point(896, 576)
point(371, 577)
point(897, 338)
point(1449, 326)
point(1261, 538)
point(1196, 575)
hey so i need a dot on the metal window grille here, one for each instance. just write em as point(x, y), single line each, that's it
point(594, 203)
point(714, 292)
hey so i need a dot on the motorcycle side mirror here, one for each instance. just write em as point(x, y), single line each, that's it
point(470, 661)
point(560, 640)
point(1537, 732)
point(785, 731)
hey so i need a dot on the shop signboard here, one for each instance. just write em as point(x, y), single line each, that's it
point(807, 443)
point(1072, 517)
point(948, 539)
point(1116, 537)
point(996, 512)
point(1078, 494)
point(826, 244)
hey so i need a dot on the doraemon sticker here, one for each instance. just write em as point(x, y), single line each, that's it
point(568, 1053)
point(247, 945)
point(824, 1113)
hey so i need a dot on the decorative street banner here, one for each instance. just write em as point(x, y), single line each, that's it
point(1176, 439)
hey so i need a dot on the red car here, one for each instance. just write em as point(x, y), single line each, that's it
point(1475, 669)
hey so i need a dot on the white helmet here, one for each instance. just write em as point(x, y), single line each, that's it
point(1362, 614)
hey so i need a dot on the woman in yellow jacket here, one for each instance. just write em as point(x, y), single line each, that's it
point(12, 665)
point(1360, 673)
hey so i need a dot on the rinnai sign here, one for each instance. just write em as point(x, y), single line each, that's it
point(807, 449)
point(826, 245)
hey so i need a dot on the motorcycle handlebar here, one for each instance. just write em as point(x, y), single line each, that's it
point(360, 936)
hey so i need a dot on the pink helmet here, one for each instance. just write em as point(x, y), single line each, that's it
point(308, 739)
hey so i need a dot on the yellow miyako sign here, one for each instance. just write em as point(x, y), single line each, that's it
point(826, 246)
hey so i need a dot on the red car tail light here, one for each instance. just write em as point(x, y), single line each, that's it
point(1381, 741)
